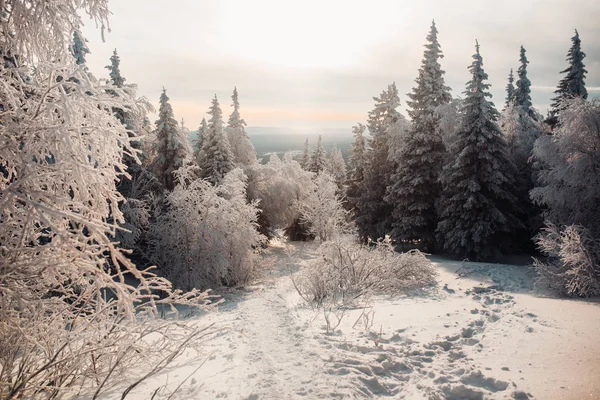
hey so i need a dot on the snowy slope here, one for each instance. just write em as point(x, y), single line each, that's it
point(479, 336)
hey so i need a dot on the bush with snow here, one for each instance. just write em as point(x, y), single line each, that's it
point(321, 208)
point(206, 236)
point(346, 270)
point(573, 265)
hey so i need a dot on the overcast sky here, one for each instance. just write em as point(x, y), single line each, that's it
point(318, 63)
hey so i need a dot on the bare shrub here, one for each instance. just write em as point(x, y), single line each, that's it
point(345, 271)
point(573, 266)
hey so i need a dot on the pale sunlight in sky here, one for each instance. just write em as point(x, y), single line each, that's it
point(319, 63)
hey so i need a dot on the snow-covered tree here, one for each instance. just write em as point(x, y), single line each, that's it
point(305, 161)
point(569, 162)
point(218, 158)
point(172, 147)
point(241, 147)
point(318, 158)
point(277, 185)
point(115, 72)
point(522, 92)
point(573, 84)
point(372, 213)
point(478, 208)
point(206, 237)
point(356, 166)
point(336, 167)
point(414, 185)
point(510, 90)
point(69, 317)
point(449, 118)
point(321, 208)
point(199, 145)
point(79, 48)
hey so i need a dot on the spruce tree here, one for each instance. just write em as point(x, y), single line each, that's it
point(356, 165)
point(573, 84)
point(523, 90)
point(235, 121)
point(336, 167)
point(171, 148)
point(115, 72)
point(414, 186)
point(510, 90)
point(478, 208)
point(79, 48)
point(218, 158)
point(305, 161)
point(198, 148)
point(372, 213)
point(318, 159)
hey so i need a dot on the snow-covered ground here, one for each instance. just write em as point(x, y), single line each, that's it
point(481, 334)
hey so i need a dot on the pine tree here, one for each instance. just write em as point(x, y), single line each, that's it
point(218, 158)
point(356, 164)
point(172, 147)
point(372, 214)
point(239, 142)
point(198, 148)
point(115, 72)
point(414, 185)
point(523, 90)
point(573, 84)
point(79, 48)
point(318, 159)
point(305, 161)
point(336, 167)
point(478, 206)
point(510, 90)
point(235, 121)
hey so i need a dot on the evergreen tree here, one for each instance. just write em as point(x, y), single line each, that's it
point(235, 121)
point(172, 147)
point(523, 90)
point(218, 158)
point(79, 48)
point(318, 159)
point(414, 186)
point(305, 161)
point(239, 142)
point(478, 206)
point(372, 214)
point(573, 84)
point(510, 90)
point(356, 164)
point(336, 167)
point(115, 72)
point(198, 148)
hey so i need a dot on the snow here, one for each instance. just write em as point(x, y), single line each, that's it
point(480, 333)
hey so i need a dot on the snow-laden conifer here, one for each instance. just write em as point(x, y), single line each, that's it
point(372, 213)
point(510, 90)
point(79, 48)
point(573, 84)
point(318, 158)
point(478, 207)
point(171, 147)
point(414, 186)
point(218, 158)
point(336, 167)
point(522, 92)
point(241, 147)
point(115, 72)
point(305, 160)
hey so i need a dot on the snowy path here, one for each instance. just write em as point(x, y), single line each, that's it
point(483, 336)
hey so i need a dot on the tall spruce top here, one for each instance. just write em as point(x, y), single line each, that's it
point(235, 121)
point(79, 48)
point(431, 90)
point(523, 91)
point(115, 72)
point(573, 84)
point(510, 90)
